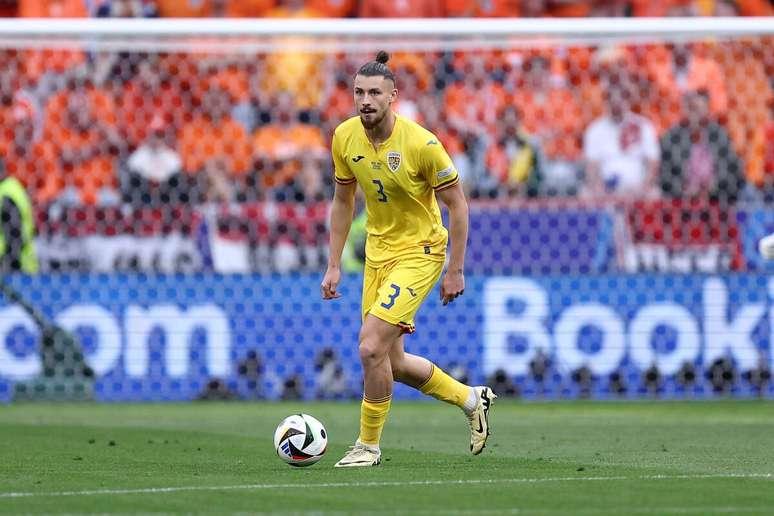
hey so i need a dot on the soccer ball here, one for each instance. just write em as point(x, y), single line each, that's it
point(300, 440)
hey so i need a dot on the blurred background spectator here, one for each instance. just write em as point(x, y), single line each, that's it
point(331, 382)
point(697, 158)
point(503, 385)
point(153, 169)
point(621, 150)
point(17, 226)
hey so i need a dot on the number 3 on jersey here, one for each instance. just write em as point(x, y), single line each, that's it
point(380, 190)
point(395, 294)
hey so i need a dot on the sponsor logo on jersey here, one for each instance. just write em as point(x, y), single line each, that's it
point(393, 160)
point(357, 158)
point(376, 165)
point(432, 142)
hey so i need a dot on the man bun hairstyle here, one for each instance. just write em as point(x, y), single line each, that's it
point(378, 67)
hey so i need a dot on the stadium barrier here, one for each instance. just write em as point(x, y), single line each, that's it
point(169, 337)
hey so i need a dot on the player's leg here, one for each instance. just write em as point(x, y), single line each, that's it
point(374, 349)
point(376, 339)
point(420, 373)
point(410, 282)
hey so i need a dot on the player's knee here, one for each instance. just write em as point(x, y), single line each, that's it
point(371, 350)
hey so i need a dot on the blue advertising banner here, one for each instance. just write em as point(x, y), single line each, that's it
point(167, 337)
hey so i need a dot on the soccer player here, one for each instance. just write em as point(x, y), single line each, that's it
point(401, 168)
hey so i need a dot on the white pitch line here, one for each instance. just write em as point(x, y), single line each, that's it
point(523, 510)
point(415, 483)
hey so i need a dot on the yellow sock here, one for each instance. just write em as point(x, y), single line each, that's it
point(373, 415)
point(443, 387)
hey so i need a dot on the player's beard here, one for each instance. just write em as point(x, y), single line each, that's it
point(374, 121)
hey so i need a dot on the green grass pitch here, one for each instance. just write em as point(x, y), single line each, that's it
point(543, 458)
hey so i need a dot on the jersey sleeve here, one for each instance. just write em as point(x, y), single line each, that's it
point(341, 171)
point(437, 166)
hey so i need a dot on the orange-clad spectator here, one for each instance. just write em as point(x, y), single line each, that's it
point(184, 8)
point(338, 106)
point(415, 78)
point(233, 78)
point(682, 70)
point(571, 8)
point(459, 8)
point(755, 8)
point(150, 94)
point(552, 115)
point(659, 8)
point(471, 107)
point(15, 106)
point(473, 102)
point(8, 88)
point(498, 9)
point(53, 9)
point(297, 69)
point(401, 9)
point(549, 111)
point(214, 8)
point(748, 107)
point(290, 152)
point(333, 8)
point(37, 63)
point(246, 8)
point(766, 182)
point(28, 157)
point(213, 134)
point(80, 123)
point(432, 114)
point(419, 65)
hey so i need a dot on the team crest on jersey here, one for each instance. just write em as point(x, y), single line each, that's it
point(393, 160)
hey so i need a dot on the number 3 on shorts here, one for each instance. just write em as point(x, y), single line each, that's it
point(395, 294)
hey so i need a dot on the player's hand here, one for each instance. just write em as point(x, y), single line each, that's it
point(330, 283)
point(452, 286)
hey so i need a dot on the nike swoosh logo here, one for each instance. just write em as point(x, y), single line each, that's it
point(357, 158)
point(480, 426)
point(486, 400)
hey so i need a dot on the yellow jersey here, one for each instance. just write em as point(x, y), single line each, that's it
point(399, 179)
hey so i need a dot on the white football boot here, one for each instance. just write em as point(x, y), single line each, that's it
point(479, 419)
point(360, 455)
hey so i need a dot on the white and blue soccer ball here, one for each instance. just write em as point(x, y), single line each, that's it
point(300, 440)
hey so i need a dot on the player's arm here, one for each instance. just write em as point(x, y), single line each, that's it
point(453, 283)
point(342, 212)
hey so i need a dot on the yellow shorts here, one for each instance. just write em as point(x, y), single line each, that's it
point(394, 291)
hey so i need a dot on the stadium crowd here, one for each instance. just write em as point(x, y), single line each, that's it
point(191, 127)
point(377, 8)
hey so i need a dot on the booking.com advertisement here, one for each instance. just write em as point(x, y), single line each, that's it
point(165, 337)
